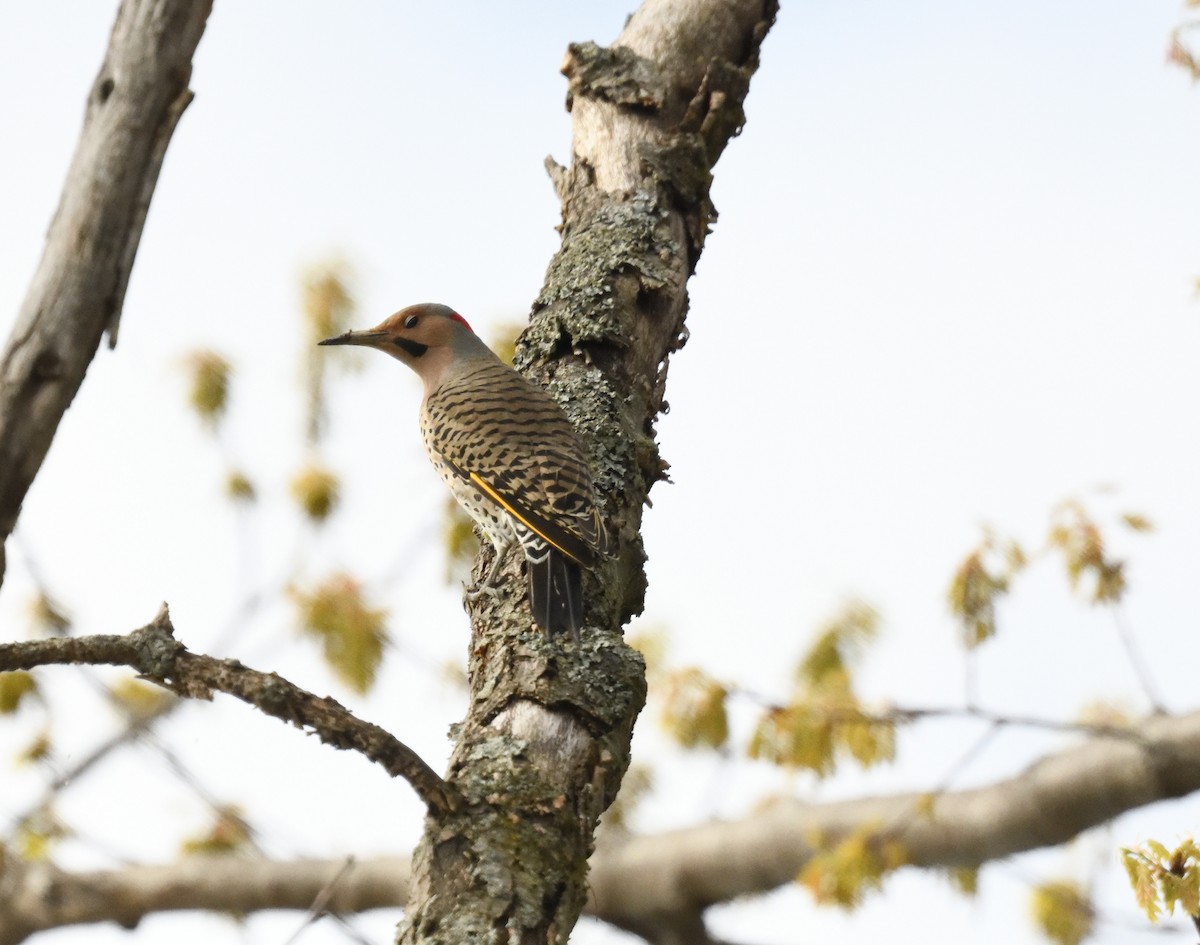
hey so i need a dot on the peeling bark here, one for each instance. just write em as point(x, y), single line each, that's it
point(78, 290)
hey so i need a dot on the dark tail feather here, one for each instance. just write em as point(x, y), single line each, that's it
point(556, 593)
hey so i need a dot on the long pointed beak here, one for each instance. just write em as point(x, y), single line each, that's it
point(369, 338)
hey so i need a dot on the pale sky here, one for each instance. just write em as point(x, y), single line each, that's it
point(952, 283)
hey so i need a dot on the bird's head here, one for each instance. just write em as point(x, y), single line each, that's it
point(429, 338)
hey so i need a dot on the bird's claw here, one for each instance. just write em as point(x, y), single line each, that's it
point(473, 592)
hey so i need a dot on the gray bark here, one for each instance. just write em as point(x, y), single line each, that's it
point(546, 741)
point(78, 289)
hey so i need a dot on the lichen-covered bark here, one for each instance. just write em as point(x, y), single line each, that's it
point(542, 751)
point(79, 287)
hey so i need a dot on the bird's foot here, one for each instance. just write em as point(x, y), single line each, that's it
point(473, 592)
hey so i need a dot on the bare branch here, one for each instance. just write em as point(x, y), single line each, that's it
point(655, 883)
point(1047, 804)
point(155, 653)
point(35, 897)
point(79, 287)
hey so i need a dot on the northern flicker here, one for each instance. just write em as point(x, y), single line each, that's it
point(507, 452)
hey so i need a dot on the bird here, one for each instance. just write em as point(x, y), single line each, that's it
point(510, 456)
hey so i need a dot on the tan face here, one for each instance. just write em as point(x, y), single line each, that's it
point(422, 336)
point(416, 329)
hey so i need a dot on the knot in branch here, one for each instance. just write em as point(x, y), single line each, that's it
point(155, 647)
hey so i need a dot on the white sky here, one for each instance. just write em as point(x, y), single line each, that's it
point(952, 283)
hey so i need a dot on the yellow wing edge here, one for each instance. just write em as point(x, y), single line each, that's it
point(507, 506)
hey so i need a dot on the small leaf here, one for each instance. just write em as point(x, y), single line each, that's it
point(1141, 878)
point(327, 302)
point(228, 833)
point(239, 487)
point(794, 737)
point(139, 700)
point(317, 490)
point(857, 865)
point(1085, 554)
point(36, 837)
point(1139, 523)
point(37, 750)
point(1180, 55)
point(48, 617)
point(1015, 558)
point(965, 879)
point(972, 598)
point(328, 308)
point(694, 709)
point(209, 389)
point(1110, 582)
point(869, 742)
point(838, 644)
point(1062, 912)
point(1162, 878)
point(14, 688)
point(1159, 851)
point(352, 634)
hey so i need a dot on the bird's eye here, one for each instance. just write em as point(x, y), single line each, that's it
point(411, 321)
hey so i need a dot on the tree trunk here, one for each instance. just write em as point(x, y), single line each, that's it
point(546, 741)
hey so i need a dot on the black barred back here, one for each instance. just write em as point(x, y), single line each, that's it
point(511, 441)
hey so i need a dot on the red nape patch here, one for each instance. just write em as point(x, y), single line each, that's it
point(462, 321)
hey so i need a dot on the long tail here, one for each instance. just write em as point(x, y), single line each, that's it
point(556, 593)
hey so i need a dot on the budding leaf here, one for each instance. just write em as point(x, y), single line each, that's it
point(1162, 878)
point(694, 710)
point(228, 833)
point(208, 392)
point(14, 688)
point(1063, 913)
point(317, 491)
point(139, 700)
point(48, 616)
point(352, 634)
point(857, 865)
point(239, 487)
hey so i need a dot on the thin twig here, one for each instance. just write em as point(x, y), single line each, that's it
point(136, 727)
point(321, 900)
point(903, 715)
point(1125, 633)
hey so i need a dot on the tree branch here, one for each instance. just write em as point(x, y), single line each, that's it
point(1047, 804)
point(35, 897)
point(155, 653)
point(658, 884)
point(79, 287)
